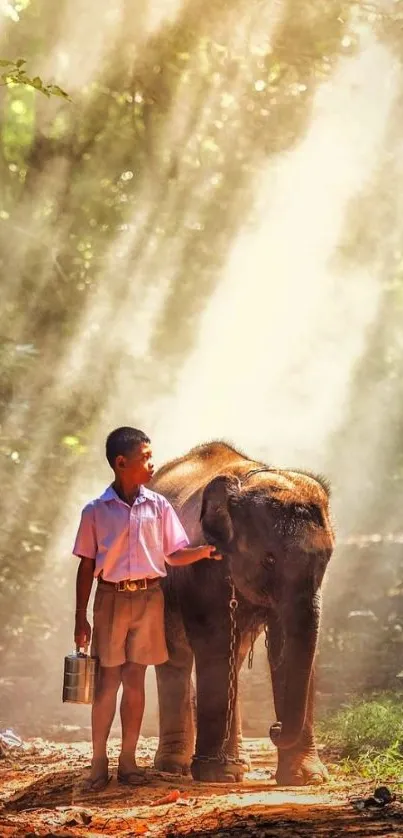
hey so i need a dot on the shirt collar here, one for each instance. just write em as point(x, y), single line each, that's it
point(110, 494)
point(147, 493)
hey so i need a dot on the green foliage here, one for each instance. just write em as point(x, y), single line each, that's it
point(367, 737)
point(365, 728)
point(380, 766)
point(15, 73)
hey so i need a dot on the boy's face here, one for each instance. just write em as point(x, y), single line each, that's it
point(137, 467)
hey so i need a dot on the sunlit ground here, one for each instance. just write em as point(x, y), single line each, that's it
point(46, 796)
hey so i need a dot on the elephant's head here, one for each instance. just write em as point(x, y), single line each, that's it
point(275, 531)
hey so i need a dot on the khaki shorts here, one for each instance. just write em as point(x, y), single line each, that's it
point(129, 626)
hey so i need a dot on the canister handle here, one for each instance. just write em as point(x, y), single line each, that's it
point(85, 647)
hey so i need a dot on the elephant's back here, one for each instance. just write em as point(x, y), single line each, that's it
point(185, 476)
point(183, 480)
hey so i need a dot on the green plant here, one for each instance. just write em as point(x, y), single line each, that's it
point(15, 73)
point(368, 737)
point(361, 725)
point(379, 766)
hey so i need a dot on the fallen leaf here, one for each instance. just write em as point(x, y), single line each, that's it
point(171, 797)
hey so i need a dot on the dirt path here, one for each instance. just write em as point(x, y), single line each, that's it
point(41, 793)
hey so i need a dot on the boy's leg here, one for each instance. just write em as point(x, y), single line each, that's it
point(145, 645)
point(131, 711)
point(103, 711)
point(112, 614)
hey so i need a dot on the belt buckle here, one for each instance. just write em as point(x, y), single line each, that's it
point(123, 585)
point(142, 586)
point(131, 585)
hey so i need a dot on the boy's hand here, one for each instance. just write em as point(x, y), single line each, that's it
point(82, 631)
point(211, 552)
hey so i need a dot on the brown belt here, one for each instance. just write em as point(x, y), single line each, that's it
point(130, 584)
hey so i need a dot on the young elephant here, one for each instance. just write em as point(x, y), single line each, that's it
point(273, 529)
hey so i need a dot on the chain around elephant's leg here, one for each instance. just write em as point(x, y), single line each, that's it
point(216, 758)
point(235, 747)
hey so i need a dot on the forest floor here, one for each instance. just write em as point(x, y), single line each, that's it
point(41, 794)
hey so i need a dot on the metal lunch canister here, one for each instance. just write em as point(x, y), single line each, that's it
point(80, 674)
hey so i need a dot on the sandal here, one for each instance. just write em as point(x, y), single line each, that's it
point(132, 778)
point(98, 784)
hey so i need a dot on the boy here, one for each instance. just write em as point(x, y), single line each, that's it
point(124, 539)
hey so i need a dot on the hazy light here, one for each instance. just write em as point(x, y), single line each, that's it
point(279, 339)
point(160, 12)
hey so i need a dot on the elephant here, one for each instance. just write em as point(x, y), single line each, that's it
point(274, 531)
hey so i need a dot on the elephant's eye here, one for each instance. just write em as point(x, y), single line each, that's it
point(269, 559)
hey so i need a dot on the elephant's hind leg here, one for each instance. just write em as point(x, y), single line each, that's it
point(176, 742)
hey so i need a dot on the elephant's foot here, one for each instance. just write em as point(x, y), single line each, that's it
point(218, 772)
point(246, 760)
point(172, 763)
point(300, 769)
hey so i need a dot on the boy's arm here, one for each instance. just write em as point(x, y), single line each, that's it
point(85, 576)
point(85, 547)
point(189, 555)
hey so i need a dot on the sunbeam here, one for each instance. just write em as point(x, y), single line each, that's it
point(200, 243)
point(280, 338)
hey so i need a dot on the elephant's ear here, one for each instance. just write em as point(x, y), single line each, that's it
point(215, 514)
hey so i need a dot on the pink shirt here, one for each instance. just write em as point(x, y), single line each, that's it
point(129, 542)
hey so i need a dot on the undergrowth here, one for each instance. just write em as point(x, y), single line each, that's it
point(367, 736)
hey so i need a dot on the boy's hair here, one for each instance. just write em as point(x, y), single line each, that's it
point(121, 441)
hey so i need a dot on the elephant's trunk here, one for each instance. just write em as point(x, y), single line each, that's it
point(301, 634)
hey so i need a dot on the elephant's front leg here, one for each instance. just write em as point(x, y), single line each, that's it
point(302, 765)
point(176, 742)
point(216, 757)
point(299, 765)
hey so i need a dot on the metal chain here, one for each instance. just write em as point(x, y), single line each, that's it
point(222, 757)
point(232, 673)
point(254, 632)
